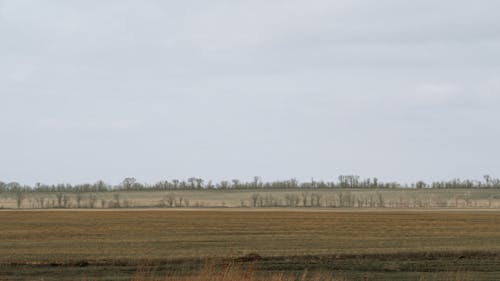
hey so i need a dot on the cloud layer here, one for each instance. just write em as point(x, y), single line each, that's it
point(231, 89)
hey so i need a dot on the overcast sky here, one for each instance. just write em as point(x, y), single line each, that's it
point(400, 90)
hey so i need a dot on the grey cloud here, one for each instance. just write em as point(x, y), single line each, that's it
point(402, 90)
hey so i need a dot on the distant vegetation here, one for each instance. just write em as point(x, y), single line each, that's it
point(347, 192)
point(344, 182)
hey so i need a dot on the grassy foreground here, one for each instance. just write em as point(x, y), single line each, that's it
point(379, 245)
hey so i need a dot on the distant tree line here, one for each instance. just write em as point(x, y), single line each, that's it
point(193, 183)
point(312, 199)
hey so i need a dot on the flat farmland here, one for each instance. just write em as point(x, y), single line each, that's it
point(396, 241)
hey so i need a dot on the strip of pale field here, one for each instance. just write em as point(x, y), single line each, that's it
point(330, 198)
point(267, 209)
point(38, 236)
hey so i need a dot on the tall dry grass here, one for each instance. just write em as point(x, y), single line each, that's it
point(233, 272)
point(212, 271)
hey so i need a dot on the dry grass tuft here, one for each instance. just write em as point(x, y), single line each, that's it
point(212, 271)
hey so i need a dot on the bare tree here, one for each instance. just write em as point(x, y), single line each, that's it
point(316, 200)
point(59, 197)
point(116, 202)
point(128, 183)
point(305, 195)
point(255, 198)
point(78, 198)
point(236, 183)
point(199, 183)
point(381, 202)
point(66, 201)
point(292, 200)
point(41, 202)
point(340, 196)
point(256, 182)
point(19, 198)
point(192, 183)
point(170, 200)
point(92, 200)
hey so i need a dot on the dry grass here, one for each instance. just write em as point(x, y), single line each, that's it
point(234, 272)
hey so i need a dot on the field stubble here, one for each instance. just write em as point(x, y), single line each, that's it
point(389, 242)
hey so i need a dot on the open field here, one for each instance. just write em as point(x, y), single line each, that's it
point(382, 245)
point(326, 198)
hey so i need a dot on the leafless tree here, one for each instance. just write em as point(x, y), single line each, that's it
point(116, 202)
point(381, 202)
point(305, 195)
point(170, 199)
point(92, 200)
point(59, 197)
point(78, 198)
point(255, 198)
point(19, 198)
